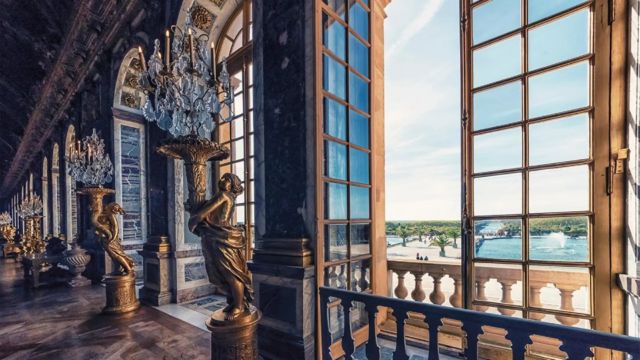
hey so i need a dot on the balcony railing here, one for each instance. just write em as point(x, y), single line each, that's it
point(577, 343)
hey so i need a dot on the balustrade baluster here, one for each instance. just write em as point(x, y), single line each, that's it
point(519, 342)
point(575, 350)
point(437, 296)
point(480, 292)
point(506, 296)
point(566, 303)
point(347, 336)
point(326, 333)
point(472, 330)
point(372, 349)
point(418, 293)
point(433, 323)
point(401, 291)
point(401, 343)
point(333, 277)
point(342, 278)
point(456, 298)
point(534, 298)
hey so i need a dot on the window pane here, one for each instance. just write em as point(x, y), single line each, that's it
point(335, 201)
point(497, 195)
point(358, 129)
point(237, 127)
point(560, 288)
point(359, 19)
point(497, 61)
point(560, 90)
point(539, 9)
point(560, 40)
point(497, 106)
point(335, 160)
point(238, 149)
point(360, 239)
point(559, 140)
point(336, 276)
point(338, 6)
point(495, 18)
point(358, 92)
point(335, 247)
point(358, 55)
point(559, 239)
point(359, 166)
point(334, 77)
point(359, 202)
point(333, 36)
point(360, 277)
point(335, 119)
point(497, 150)
point(564, 189)
point(498, 239)
point(499, 283)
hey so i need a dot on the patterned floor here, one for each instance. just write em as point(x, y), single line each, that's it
point(64, 323)
point(207, 304)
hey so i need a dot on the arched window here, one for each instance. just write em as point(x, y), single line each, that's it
point(234, 44)
point(55, 189)
point(71, 199)
point(45, 197)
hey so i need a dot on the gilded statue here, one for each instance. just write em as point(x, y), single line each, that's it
point(223, 246)
point(107, 229)
point(8, 232)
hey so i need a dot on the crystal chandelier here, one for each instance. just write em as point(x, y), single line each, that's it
point(183, 95)
point(88, 161)
point(5, 218)
point(30, 206)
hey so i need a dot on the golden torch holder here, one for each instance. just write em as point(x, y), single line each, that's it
point(120, 288)
point(8, 233)
point(230, 339)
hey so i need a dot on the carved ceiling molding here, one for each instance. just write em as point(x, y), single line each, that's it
point(95, 25)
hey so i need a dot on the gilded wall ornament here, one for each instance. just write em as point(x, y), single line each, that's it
point(219, 3)
point(202, 18)
point(129, 100)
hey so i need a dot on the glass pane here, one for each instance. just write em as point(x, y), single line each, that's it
point(358, 129)
point(555, 190)
point(497, 106)
point(336, 276)
point(335, 243)
point(360, 278)
point(539, 9)
point(560, 40)
point(559, 140)
point(335, 119)
point(560, 288)
point(497, 195)
point(334, 77)
point(499, 283)
point(238, 149)
point(335, 160)
point(358, 92)
point(359, 202)
point(359, 19)
point(358, 55)
point(333, 36)
point(360, 239)
point(358, 166)
point(498, 239)
point(237, 126)
point(338, 6)
point(497, 61)
point(560, 90)
point(497, 150)
point(238, 169)
point(335, 201)
point(559, 239)
point(495, 18)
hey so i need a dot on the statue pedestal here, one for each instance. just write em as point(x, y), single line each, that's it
point(156, 256)
point(121, 294)
point(236, 339)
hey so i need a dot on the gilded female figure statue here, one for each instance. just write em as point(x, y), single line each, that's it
point(223, 245)
point(108, 230)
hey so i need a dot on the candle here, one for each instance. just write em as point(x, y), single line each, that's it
point(141, 56)
point(213, 61)
point(167, 50)
point(191, 47)
point(78, 148)
point(89, 153)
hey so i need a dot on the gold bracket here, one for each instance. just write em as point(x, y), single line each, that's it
point(623, 154)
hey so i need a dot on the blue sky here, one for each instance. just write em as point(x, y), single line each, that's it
point(422, 113)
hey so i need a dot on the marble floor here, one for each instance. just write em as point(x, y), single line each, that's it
point(64, 323)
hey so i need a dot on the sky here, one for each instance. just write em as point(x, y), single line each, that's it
point(422, 110)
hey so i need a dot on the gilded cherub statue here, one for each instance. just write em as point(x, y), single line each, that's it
point(223, 246)
point(107, 229)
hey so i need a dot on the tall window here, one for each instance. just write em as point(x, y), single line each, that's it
point(529, 164)
point(346, 223)
point(45, 197)
point(71, 197)
point(55, 189)
point(234, 44)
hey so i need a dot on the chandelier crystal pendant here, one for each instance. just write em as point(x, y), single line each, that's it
point(89, 163)
point(30, 206)
point(183, 95)
point(5, 218)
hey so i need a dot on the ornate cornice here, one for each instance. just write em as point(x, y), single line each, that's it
point(96, 24)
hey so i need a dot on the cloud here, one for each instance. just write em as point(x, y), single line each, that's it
point(429, 10)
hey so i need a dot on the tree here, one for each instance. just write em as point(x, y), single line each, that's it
point(442, 241)
point(454, 234)
point(420, 230)
point(403, 232)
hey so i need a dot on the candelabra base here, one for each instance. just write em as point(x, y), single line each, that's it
point(121, 294)
point(235, 339)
